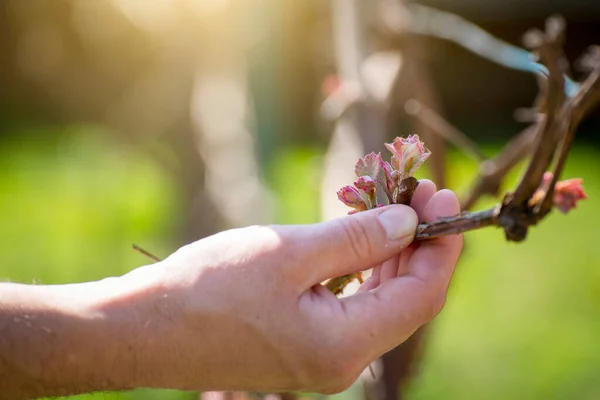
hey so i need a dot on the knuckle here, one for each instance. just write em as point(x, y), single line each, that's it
point(357, 238)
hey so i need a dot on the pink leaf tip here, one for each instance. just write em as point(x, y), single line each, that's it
point(369, 165)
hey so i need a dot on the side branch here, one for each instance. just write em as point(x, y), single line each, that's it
point(573, 114)
point(547, 48)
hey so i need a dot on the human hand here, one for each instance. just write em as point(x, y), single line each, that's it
point(244, 310)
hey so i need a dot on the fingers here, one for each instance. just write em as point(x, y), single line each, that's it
point(369, 284)
point(397, 307)
point(423, 194)
point(389, 269)
point(349, 244)
point(423, 263)
point(399, 266)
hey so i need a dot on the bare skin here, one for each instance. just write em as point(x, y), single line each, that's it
point(240, 310)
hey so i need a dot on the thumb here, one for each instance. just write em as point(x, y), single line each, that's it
point(353, 243)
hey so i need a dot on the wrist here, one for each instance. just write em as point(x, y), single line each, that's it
point(53, 342)
point(136, 312)
point(69, 339)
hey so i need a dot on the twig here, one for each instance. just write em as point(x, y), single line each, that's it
point(146, 253)
point(458, 224)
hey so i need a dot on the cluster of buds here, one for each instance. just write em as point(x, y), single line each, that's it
point(380, 182)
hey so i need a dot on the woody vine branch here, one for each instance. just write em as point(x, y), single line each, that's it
point(559, 108)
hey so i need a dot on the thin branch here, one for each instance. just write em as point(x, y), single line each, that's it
point(458, 224)
point(146, 253)
point(589, 94)
point(443, 128)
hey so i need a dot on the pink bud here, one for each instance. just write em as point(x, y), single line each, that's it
point(408, 155)
point(350, 196)
point(567, 193)
point(366, 184)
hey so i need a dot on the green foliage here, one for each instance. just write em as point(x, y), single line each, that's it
point(521, 321)
point(71, 205)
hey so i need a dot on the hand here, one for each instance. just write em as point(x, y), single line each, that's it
point(244, 309)
point(240, 310)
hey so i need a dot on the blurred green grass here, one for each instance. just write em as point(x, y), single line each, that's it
point(72, 202)
point(521, 321)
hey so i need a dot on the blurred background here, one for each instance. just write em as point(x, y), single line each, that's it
point(160, 122)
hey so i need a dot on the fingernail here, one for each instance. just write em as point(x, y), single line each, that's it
point(399, 223)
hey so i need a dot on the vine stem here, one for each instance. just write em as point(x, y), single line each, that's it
point(458, 224)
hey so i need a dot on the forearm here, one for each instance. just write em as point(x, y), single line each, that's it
point(69, 339)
